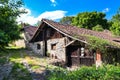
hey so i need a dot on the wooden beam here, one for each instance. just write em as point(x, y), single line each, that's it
point(70, 43)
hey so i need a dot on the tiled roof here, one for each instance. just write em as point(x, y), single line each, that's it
point(30, 30)
point(80, 33)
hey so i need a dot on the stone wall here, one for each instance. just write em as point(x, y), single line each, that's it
point(35, 50)
point(33, 46)
point(59, 50)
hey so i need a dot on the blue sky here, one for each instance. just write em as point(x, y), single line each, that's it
point(56, 9)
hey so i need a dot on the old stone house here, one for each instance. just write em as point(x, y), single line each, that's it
point(65, 42)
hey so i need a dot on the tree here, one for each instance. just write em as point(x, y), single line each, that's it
point(67, 20)
point(115, 28)
point(9, 30)
point(116, 17)
point(90, 19)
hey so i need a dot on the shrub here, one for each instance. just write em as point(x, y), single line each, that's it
point(98, 28)
point(108, 72)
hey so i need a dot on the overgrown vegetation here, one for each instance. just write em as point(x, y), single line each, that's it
point(98, 43)
point(108, 72)
point(110, 51)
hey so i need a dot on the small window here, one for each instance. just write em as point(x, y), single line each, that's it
point(38, 46)
point(53, 46)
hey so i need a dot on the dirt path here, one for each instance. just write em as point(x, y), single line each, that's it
point(36, 64)
point(38, 73)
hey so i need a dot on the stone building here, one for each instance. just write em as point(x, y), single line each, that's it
point(28, 33)
point(65, 42)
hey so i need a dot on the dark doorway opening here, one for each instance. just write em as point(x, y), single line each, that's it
point(73, 53)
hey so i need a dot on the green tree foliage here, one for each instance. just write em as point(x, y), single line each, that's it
point(9, 11)
point(67, 20)
point(98, 28)
point(117, 16)
point(115, 28)
point(90, 19)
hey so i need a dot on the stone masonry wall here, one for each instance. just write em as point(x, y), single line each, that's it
point(59, 50)
point(38, 51)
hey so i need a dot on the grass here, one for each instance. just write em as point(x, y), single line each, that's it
point(19, 72)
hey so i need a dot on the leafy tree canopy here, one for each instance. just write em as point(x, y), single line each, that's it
point(9, 11)
point(90, 19)
point(116, 17)
point(115, 28)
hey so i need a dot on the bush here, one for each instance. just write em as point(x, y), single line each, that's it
point(98, 28)
point(108, 72)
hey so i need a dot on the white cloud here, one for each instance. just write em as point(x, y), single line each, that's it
point(106, 10)
point(53, 15)
point(27, 18)
point(54, 3)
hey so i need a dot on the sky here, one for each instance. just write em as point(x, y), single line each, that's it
point(57, 9)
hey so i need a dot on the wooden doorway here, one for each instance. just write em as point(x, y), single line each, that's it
point(73, 55)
